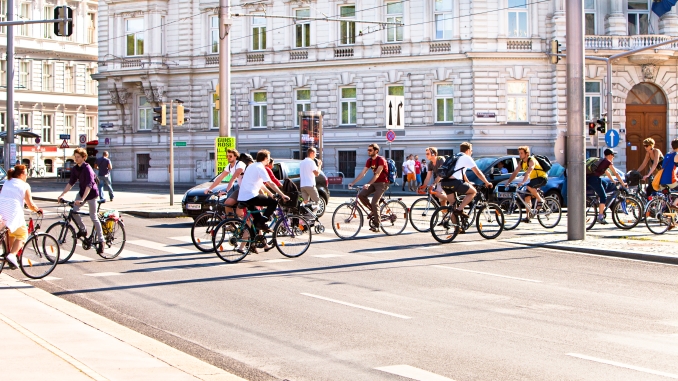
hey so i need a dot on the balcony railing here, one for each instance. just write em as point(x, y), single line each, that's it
point(212, 60)
point(388, 50)
point(627, 42)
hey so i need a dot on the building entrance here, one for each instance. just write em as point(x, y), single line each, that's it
point(645, 118)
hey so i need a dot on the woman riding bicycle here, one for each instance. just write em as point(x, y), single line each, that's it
point(14, 193)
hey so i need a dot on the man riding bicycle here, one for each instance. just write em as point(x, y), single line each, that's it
point(534, 173)
point(234, 169)
point(434, 163)
point(377, 185)
point(594, 181)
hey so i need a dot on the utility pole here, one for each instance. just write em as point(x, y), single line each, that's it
point(224, 68)
point(171, 151)
point(9, 140)
point(576, 145)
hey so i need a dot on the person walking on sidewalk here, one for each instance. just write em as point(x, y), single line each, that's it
point(83, 173)
point(308, 170)
point(405, 172)
point(377, 185)
point(104, 165)
point(411, 174)
point(14, 193)
point(417, 170)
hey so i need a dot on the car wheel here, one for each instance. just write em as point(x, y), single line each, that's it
point(557, 195)
point(322, 205)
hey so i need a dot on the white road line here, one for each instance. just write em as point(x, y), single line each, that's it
point(323, 237)
point(622, 365)
point(328, 255)
point(276, 260)
point(186, 239)
point(356, 306)
point(80, 258)
point(132, 254)
point(102, 274)
point(159, 246)
point(413, 373)
point(49, 277)
point(490, 274)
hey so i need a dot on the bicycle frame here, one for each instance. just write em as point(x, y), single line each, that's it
point(518, 195)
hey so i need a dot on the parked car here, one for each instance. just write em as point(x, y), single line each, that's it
point(66, 171)
point(3, 177)
point(193, 204)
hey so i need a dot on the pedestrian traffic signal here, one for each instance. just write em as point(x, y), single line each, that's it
point(65, 28)
point(555, 49)
point(180, 114)
point(161, 118)
point(602, 125)
point(592, 128)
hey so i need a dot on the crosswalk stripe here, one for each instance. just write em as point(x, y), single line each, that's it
point(103, 274)
point(159, 246)
point(80, 258)
point(327, 255)
point(413, 373)
point(186, 239)
point(277, 260)
point(132, 254)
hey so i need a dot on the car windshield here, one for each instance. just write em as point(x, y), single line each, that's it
point(3, 174)
point(556, 171)
point(484, 162)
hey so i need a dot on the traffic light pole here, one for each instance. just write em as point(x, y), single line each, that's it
point(9, 140)
point(171, 152)
point(224, 69)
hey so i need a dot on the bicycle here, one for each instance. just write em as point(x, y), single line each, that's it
point(347, 219)
point(660, 214)
point(40, 253)
point(445, 225)
point(421, 210)
point(36, 172)
point(234, 238)
point(513, 201)
point(205, 224)
point(627, 209)
point(111, 224)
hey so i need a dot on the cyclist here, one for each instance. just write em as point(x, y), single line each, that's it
point(534, 173)
point(377, 185)
point(655, 158)
point(234, 169)
point(434, 162)
point(593, 180)
point(458, 183)
point(670, 165)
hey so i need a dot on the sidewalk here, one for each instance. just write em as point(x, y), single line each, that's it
point(48, 338)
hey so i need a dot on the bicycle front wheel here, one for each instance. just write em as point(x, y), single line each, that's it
point(202, 231)
point(41, 172)
point(347, 220)
point(232, 240)
point(658, 217)
point(393, 216)
point(420, 214)
point(490, 221)
point(65, 236)
point(550, 213)
point(39, 256)
point(591, 213)
point(292, 236)
point(513, 213)
point(444, 225)
point(627, 212)
point(114, 238)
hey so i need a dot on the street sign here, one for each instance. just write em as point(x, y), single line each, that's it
point(65, 136)
point(612, 138)
point(82, 139)
point(37, 140)
point(390, 135)
point(107, 141)
point(395, 112)
point(64, 144)
point(180, 144)
point(221, 145)
point(12, 153)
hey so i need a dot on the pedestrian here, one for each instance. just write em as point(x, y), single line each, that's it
point(417, 170)
point(104, 165)
point(424, 171)
point(411, 175)
point(405, 172)
point(308, 171)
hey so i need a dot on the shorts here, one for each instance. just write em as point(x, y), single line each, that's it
point(457, 186)
point(233, 193)
point(20, 234)
point(310, 193)
point(419, 178)
point(411, 177)
point(537, 182)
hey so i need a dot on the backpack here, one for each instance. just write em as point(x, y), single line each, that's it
point(392, 170)
point(246, 158)
point(447, 169)
point(544, 162)
point(592, 165)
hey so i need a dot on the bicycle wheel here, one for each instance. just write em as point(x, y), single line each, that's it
point(444, 225)
point(232, 240)
point(292, 236)
point(393, 217)
point(114, 238)
point(3, 252)
point(347, 220)
point(41, 172)
point(65, 236)
point(420, 214)
point(513, 213)
point(39, 256)
point(490, 221)
point(550, 213)
point(627, 212)
point(591, 213)
point(658, 216)
point(202, 231)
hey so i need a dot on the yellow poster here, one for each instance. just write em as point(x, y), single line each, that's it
point(221, 145)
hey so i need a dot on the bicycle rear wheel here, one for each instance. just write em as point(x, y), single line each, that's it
point(420, 214)
point(627, 213)
point(490, 221)
point(232, 240)
point(444, 225)
point(550, 213)
point(65, 236)
point(591, 213)
point(658, 217)
point(202, 231)
point(347, 220)
point(114, 238)
point(39, 256)
point(513, 213)
point(393, 217)
point(292, 236)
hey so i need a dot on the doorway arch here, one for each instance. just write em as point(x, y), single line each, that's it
point(645, 118)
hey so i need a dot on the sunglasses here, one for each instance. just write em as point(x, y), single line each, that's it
point(370, 150)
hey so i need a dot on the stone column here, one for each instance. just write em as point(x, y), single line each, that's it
point(615, 23)
point(668, 24)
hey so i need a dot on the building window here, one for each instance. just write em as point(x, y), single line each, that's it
point(46, 129)
point(3, 15)
point(396, 90)
point(258, 33)
point(303, 29)
point(444, 103)
point(394, 13)
point(3, 73)
point(24, 14)
point(90, 122)
point(517, 18)
point(145, 114)
point(590, 17)
point(347, 163)
point(348, 105)
point(638, 17)
point(134, 28)
point(259, 110)
point(68, 126)
point(445, 152)
point(69, 79)
point(443, 17)
point(516, 101)
point(214, 115)
point(91, 28)
point(2, 121)
point(92, 86)
point(347, 27)
point(592, 101)
point(25, 75)
point(47, 77)
point(214, 34)
point(24, 121)
point(303, 102)
point(47, 28)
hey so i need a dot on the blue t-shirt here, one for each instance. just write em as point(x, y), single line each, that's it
point(103, 163)
point(667, 175)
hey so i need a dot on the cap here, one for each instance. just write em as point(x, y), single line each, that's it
point(610, 151)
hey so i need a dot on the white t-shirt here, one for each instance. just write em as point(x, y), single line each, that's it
point(230, 169)
point(12, 202)
point(410, 166)
point(405, 170)
point(306, 169)
point(254, 178)
point(465, 161)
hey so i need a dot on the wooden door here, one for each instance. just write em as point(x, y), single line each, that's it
point(643, 122)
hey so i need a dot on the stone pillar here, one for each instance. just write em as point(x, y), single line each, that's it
point(668, 24)
point(615, 23)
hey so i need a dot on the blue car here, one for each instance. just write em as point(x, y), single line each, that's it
point(557, 184)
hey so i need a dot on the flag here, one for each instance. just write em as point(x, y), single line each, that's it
point(661, 7)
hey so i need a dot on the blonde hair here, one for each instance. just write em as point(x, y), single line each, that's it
point(525, 149)
point(648, 142)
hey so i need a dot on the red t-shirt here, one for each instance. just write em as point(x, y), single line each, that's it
point(417, 167)
point(376, 163)
point(272, 176)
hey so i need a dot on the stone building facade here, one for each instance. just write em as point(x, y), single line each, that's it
point(475, 71)
point(54, 91)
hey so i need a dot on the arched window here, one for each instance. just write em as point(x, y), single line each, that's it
point(645, 94)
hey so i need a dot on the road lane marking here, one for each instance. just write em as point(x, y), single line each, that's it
point(622, 365)
point(356, 306)
point(490, 274)
point(159, 246)
point(102, 274)
point(132, 254)
point(413, 373)
point(49, 277)
point(327, 255)
point(276, 260)
point(80, 258)
point(186, 239)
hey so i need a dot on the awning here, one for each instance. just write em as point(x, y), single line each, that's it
point(20, 133)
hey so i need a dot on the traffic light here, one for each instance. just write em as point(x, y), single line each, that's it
point(555, 49)
point(63, 29)
point(592, 128)
point(215, 98)
point(92, 152)
point(602, 124)
point(180, 114)
point(161, 118)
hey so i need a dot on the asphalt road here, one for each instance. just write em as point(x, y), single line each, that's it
point(387, 308)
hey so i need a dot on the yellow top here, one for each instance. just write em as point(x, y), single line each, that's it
point(537, 171)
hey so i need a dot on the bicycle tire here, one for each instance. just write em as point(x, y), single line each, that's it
point(289, 233)
point(420, 214)
point(114, 240)
point(347, 220)
point(66, 237)
point(655, 218)
point(41, 172)
point(550, 214)
point(34, 261)
point(3, 254)
point(627, 212)
point(391, 213)
point(490, 221)
point(513, 213)
point(202, 231)
point(591, 215)
point(442, 221)
point(228, 236)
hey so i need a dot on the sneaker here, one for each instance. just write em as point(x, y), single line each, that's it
point(601, 220)
point(525, 220)
point(461, 213)
point(100, 247)
point(262, 226)
point(81, 234)
point(375, 230)
point(13, 260)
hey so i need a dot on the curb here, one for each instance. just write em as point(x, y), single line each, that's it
point(607, 253)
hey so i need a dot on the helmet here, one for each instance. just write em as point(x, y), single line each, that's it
point(633, 178)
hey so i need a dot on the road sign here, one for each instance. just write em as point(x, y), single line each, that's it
point(65, 136)
point(612, 138)
point(107, 141)
point(37, 140)
point(390, 135)
point(12, 153)
point(180, 144)
point(82, 138)
point(395, 112)
point(221, 145)
point(64, 144)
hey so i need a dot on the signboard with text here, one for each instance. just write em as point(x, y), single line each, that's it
point(221, 146)
point(310, 133)
point(82, 139)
